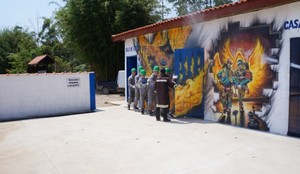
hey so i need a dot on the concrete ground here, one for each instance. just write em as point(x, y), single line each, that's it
point(115, 140)
point(103, 100)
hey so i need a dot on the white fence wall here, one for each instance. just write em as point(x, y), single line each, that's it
point(39, 95)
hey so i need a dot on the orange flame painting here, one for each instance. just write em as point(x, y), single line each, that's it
point(262, 73)
point(164, 42)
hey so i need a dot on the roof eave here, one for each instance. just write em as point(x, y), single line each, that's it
point(243, 6)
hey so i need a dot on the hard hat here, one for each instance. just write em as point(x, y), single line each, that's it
point(239, 62)
point(168, 70)
point(140, 68)
point(143, 72)
point(156, 68)
point(133, 70)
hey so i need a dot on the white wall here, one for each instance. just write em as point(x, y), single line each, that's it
point(38, 95)
point(129, 50)
point(206, 32)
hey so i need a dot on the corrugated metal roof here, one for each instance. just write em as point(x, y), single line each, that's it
point(235, 8)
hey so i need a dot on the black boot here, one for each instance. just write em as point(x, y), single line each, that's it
point(228, 118)
point(128, 106)
point(142, 112)
point(157, 114)
point(136, 109)
point(166, 120)
point(151, 113)
point(165, 116)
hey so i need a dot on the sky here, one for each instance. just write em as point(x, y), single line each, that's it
point(26, 13)
point(29, 13)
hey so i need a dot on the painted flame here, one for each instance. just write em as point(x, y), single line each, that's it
point(190, 95)
point(151, 52)
point(261, 72)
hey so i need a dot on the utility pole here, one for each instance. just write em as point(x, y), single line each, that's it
point(162, 10)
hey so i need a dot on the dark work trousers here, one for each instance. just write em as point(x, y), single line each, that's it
point(164, 113)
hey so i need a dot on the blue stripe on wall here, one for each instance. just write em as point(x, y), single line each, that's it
point(176, 63)
point(92, 92)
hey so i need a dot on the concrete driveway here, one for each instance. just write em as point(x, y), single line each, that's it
point(115, 140)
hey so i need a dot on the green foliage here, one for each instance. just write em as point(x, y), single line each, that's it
point(222, 2)
point(9, 44)
point(79, 36)
point(51, 43)
point(162, 10)
point(61, 65)
point(27, 50)
point(183, 7)
point(87, 26)
point(137, 12)
point(17, 48)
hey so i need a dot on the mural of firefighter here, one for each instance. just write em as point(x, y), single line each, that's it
point(244, 74)
point(244, 70)
point(247, 74)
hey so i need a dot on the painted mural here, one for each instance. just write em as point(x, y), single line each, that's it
point(242, 71)
point(189, 65)
point(159, 49)
point(243, 79)
point(243, 75)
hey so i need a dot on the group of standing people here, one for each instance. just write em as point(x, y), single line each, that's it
point(151, 93)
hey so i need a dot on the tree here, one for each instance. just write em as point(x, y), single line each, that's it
point(27, 49)
point(222, 2)
point(51, 43)
point(8, 45)
point(17, 48)
point(183, 7)
point(87, 26)
point(131, 11)
point(162, 10)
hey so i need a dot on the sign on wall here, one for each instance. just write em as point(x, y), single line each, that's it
point(73, 82)
point(291, 24)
